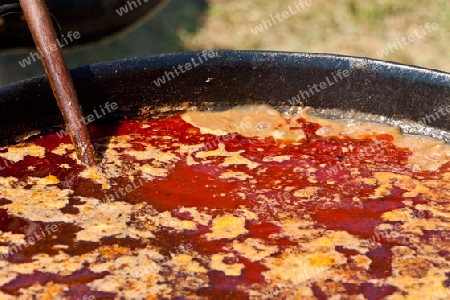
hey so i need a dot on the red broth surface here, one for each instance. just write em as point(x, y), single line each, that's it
point(283, 221)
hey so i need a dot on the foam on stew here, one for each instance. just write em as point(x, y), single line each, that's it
point(188, 207)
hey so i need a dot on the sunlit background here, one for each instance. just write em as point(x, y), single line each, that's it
point(349, 27)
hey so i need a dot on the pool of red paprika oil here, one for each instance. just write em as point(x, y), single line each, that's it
point(197, 185)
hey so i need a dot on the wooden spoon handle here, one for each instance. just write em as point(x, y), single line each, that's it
point(44, 36)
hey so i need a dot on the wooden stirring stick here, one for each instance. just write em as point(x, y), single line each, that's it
point(44, 36)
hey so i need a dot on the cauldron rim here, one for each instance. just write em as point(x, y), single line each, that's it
point(233, 77)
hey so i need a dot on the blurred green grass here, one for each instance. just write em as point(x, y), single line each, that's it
point(349, 27)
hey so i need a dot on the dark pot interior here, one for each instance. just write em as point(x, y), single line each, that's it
point(231, 78)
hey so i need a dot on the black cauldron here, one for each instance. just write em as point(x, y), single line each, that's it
point(94, 20)
point(399, 92)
